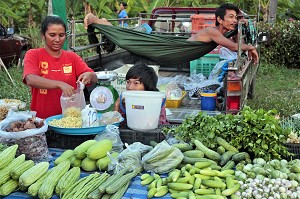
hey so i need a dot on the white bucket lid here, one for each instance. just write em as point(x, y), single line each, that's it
point(148, 94)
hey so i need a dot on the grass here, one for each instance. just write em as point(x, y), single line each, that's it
point(9, 91)
point(276, 88)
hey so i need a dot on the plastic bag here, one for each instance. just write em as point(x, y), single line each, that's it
point(89, 117)
point(31, 142)
point(162, 159)
point(110, 118)
point(112, 133)
point(225, 53)
point(173, 91)
point(130, 158)
point(77, 100)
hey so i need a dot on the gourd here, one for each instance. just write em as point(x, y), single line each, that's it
point(48, 186)
point(225, 144)
point(5, 173)
point(80, 150)
point(100, 149)
point(20, 169)
point(67, 180)
point(208, 152)
point(7, 155)
point(33, 174)
point(64, 156)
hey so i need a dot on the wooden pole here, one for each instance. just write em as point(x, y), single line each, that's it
point(11, 79)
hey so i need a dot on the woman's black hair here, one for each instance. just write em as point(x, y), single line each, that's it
point(221, 11)
point(124, 4)
point(144, 74)
point(48, 20)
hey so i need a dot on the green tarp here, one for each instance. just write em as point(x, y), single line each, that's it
point(162, 49)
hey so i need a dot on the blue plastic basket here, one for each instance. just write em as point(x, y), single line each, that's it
point(78, 131)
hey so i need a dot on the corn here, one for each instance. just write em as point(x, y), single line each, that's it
point(34, 188)
point(7, 155)
point(5, 173)
point(20, 169)
point(48, 186)
point(33, 174)
point(67, 180)
point(7, 188)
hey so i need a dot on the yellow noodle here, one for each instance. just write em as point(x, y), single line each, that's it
point(67, 122)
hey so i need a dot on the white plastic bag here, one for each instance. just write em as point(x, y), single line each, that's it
point(89, 117)
point(31, 142)
point(77, 100)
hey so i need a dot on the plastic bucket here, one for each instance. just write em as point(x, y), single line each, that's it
point(142, 108)
point(208, 100)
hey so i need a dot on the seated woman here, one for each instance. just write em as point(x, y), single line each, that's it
point(143, 78)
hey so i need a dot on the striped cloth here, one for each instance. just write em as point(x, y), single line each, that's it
point(135, 190)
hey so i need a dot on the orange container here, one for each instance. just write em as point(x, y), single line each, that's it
point(200, 21)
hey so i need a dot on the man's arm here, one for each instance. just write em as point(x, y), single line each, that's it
point(90, 19)
point(220, 39)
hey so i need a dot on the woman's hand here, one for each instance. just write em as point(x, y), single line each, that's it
point(67, 90)
point(87, 78)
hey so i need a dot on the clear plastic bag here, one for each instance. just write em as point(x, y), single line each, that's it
point(130, 158)
point(162, 159)
point(31, 142)
point(110, 118)
point(112, 133)
point(77, 100)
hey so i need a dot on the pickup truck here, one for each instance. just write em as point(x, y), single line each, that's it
point(13, 46)
point(238, 81)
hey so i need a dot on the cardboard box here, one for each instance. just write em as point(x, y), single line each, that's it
point(120, 83)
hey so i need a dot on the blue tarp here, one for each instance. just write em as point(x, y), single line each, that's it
point(135, 190)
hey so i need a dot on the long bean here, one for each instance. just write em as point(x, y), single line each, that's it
point(90, 186)
point(78, 185)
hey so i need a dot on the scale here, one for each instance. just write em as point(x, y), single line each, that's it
point(104, 96)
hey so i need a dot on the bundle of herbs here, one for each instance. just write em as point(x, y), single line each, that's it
point(257, 132)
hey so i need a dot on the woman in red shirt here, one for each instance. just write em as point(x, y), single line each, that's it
point(51, 71)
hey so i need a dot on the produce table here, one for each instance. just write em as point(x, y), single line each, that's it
point(135, 190)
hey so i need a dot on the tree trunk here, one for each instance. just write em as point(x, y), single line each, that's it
point(272, 11)
point(50, 8)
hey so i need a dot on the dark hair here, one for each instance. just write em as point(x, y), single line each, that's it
point(144, 74)
point(221, 11)
point(124, 4)
point(51, 20)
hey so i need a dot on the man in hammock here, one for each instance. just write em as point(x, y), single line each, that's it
point(226, 20)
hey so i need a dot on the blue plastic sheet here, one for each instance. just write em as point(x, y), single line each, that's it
point(134, 191)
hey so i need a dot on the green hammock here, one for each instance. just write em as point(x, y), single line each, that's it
point(162, 49)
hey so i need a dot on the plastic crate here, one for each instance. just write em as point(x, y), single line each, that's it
point(201, 21)
point(175, 103)
point(204, 64)
point(295, 149)
point(130, 136)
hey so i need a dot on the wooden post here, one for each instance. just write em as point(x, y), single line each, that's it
point(2, 65)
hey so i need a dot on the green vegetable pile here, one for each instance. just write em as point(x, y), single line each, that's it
point(255, 131)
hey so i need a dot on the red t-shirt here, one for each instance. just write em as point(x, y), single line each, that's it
point(67, 68)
